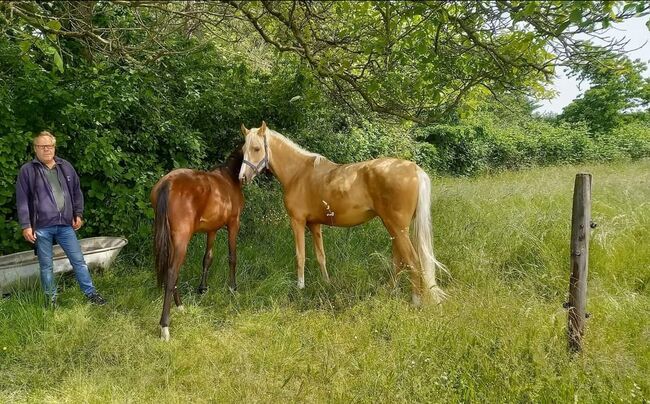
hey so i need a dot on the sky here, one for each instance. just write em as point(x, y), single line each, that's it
point(633, 29)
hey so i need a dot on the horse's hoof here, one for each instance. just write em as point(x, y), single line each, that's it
point(301, 284)
point(201, 290)
point(232, 290)
point(164, 333)
point(181, 308)
point(416, 300)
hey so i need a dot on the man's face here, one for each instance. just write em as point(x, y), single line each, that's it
point(44, 147)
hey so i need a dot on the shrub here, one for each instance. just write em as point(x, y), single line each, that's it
point(485, 143)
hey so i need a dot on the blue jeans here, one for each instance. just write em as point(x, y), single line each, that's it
point(67, 239)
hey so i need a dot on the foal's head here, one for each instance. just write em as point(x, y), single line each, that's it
point(234, 161)
point(256, 152)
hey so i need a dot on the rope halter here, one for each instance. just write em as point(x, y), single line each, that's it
point(264, 163)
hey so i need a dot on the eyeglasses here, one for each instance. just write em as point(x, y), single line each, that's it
point(45, 146)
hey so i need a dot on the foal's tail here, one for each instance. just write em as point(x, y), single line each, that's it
point(422, 240)
point(161, 234)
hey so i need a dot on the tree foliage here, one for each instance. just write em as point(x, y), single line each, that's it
point(413, 60)
point(618, 92)
point(421, 60)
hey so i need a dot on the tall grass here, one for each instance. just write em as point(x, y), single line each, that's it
point(500, 337)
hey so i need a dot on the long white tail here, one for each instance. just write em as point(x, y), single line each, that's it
point(423, 241)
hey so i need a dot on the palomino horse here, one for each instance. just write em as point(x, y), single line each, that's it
point(189, 201)
point(318, 191)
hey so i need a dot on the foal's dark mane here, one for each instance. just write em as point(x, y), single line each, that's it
point(233, 163)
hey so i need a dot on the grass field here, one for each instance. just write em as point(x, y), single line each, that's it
point(499, 337)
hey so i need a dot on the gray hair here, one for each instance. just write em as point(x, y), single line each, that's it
point(44, 134)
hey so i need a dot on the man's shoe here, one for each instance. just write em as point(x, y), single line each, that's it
point(97, 299)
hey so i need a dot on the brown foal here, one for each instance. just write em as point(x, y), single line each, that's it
point(186, 202)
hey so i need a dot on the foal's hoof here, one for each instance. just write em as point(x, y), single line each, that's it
point(201, 289)
point(164, 333)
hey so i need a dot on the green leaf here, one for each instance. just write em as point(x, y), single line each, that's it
point(54, 24)
point(563, 26)
point(530, 9)
point(58, 61)
point(576, 15)
point(25, 46)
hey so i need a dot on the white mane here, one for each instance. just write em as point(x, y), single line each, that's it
point(317, 157)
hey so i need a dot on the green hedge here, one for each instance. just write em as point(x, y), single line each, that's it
point(123, 127)
point(484, 145)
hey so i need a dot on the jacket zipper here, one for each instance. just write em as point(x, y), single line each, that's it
point(49, 187)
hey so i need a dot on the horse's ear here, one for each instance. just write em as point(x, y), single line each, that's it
point(244, 131)
point(262, 130)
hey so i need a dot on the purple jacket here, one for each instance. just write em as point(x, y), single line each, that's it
point(35, 199)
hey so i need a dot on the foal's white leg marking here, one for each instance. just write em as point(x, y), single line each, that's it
point(301, 283)
point(164, 333)
point(416, 300)
point(181, 308)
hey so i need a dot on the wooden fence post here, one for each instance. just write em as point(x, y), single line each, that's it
point(580, 226)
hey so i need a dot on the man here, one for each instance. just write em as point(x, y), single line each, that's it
point(50, 208)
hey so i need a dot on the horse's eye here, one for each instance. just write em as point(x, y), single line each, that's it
point(256, 149)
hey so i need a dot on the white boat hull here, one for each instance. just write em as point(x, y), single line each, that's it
point(99, 252)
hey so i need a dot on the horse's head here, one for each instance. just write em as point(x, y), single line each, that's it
point(256, 152)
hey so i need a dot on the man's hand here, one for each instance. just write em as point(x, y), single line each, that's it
point(77, 223)
point(29, 235)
